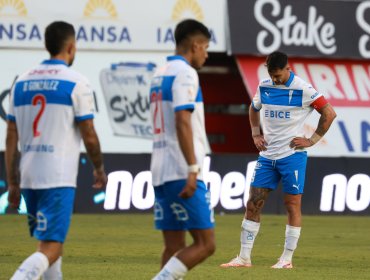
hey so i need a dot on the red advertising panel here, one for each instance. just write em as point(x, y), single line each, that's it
point(345, 84)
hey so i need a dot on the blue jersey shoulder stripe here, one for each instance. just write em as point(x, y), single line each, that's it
point(281, 96)
point(254, 107)
point(185, 107)
point(199, 97)
point(10, 117)
point(85, 117)
point(55, 91)
point(163, 84)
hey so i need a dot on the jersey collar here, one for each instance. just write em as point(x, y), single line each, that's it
point(290, 80)
point(54, 62)
point(177, 57)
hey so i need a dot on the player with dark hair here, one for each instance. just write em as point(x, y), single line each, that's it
point(51, 108)
point(182, 201)
point(286, 101)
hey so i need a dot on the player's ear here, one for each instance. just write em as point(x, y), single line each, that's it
point(194, 45)
point(71, 47)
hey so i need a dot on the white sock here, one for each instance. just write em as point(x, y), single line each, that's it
point(174, 269)
point(54, 272)
point(291, 239)
point(32, 268)
point(247, 236)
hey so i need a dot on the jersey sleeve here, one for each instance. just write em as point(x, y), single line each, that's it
point(312, 98)
point(11, 112)
point(184, 90)
point(256, 101)
point(83, 102)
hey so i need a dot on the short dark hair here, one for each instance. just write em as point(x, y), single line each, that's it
point(188, 28)
point(276, 60)
point(56, 35)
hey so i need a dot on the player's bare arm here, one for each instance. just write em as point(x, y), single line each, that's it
point(256, 201)
point(326, 119)
point(185, 136)
point(11, 162)
point(92, 145)
point(258, 139)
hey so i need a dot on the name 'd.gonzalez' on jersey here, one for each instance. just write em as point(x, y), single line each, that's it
point(40, 85)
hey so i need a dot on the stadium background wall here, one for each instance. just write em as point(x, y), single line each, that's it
point(333, 185)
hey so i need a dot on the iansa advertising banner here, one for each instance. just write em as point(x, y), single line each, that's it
point(333, 186)
point(315, 28)
point(110, 24)
point(345, 84)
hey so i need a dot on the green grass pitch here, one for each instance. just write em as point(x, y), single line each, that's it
point(126, 246)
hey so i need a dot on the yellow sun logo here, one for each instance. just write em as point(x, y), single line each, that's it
point(183, 8)
point(100, 9)
point(13, 7)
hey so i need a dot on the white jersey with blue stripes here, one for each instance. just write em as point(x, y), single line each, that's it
point(174, 87)
point(46, 102)
point(284, 111)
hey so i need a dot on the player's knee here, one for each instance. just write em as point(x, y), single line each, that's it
point(173, 248)
point(209, 248)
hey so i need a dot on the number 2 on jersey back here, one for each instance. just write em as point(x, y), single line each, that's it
point(38, 99)
point(158, 119)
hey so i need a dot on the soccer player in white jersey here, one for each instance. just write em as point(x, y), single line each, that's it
point(51, 108)
point(283, 102)
point(182, 201)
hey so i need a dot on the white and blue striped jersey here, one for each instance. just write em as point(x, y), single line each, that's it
point(284, 111)
point(174, 87)
point(46, 102)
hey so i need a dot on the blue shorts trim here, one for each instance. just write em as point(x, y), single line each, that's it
point(49, 212)
point(290, 170)
point(172, 212)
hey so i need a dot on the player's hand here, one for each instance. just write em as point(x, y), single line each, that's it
point(100, 178)
point(190, 187)
point(14, 196)
point(260, 142)
point(300, 143)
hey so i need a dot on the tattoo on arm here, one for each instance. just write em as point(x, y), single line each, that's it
point(92, 144)
point(326, 119)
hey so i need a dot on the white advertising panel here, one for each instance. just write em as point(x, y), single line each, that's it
point(110, 24)
point(111, 103)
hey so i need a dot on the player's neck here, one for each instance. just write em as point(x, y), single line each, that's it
point(62, 57)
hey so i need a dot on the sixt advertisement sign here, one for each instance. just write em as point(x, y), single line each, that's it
point(125, 88)
point(333, 185)
point(110, 24)
point(314, 28)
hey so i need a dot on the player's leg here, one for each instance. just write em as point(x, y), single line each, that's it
point(37, 263)
point(174, 241)
point(264, 180)
point(174, 213)
point(54, 272)
point(293, 171)
point(58, 209)
point(53, 251)
point(49, 218)
point(202, 247)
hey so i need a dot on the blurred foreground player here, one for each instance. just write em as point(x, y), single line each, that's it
point(182, 201)
point(51, 108)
